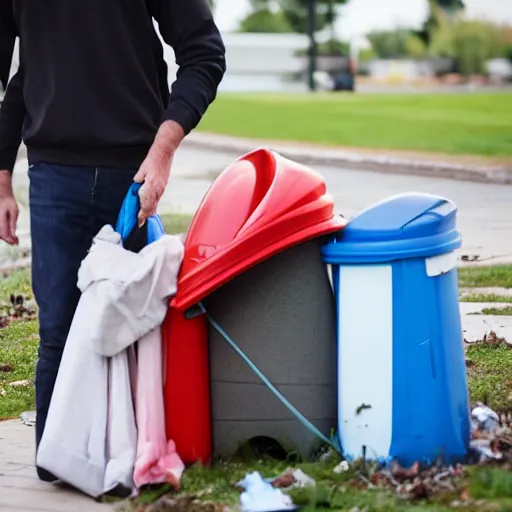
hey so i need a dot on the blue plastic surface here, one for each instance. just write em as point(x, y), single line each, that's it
point(404, 226)
point(430, 404)
point(127, 218)
point(430, 394)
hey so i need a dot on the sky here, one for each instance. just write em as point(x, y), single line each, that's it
point(361, 16)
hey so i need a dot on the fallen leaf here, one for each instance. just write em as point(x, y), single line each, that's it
point(464, 494)
point(284, 480)
point(21, 383)
point(400, 473)
point(6, 367)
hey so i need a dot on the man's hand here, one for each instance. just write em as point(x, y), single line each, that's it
point(8, 210)
point(155, 169)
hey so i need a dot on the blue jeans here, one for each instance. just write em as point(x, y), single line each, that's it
point(68, 206)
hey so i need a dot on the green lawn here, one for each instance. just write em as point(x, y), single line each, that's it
point(484, 277)
point(176, 223)
point(466, 124)
point(486, 297)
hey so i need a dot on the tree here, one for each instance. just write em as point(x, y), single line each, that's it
point(470, 44)
point(440, 12)
point(294, 13)
point(265, 21)
point(389, 44)
point(302, 16)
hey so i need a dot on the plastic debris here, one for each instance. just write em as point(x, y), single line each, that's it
point(261, 496)
point(293, 479)
point(486, 449)
point(21, 383)
point(342, 467)
point(28, 418)
point(484, 418)
point(486, 434)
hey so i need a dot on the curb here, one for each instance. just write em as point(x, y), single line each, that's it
point(11, 266)
point(376, 163)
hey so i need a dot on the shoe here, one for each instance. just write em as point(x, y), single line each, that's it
point(45, 476)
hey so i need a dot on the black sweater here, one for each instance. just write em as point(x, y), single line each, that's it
point(92, 87)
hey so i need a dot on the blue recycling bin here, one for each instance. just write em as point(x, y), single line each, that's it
point(402, 388)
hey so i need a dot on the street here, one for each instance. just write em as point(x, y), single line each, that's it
point(485, 210)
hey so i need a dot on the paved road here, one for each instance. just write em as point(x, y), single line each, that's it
point(484, 210)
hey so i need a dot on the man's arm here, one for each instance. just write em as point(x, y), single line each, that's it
point(12, 115)
point(188, 27)
point(7, 40)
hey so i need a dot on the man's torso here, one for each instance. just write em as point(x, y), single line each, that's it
point(95, 80)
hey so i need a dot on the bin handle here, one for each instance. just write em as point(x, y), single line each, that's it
point(302, 419)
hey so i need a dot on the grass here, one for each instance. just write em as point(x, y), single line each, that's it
point(332, 492)
point(505, 311)
point(490, 375)
point(486, 298)
point(484, 277)
point(18, 350)
point(468, 124)
point(176, 223)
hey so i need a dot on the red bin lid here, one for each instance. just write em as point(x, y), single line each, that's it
point(260, 205)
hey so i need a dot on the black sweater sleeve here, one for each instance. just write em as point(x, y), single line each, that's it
point(12, 115)
point(188, 27)
point(7, 39)
point(12, 109)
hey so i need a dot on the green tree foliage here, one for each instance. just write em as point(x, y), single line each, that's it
point(440, 11)
point(265, 21)
point(294, 13)
point(470, 44)
point(388, 44)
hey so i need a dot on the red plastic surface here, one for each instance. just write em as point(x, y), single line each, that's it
point(187, 386)
point(260, 205)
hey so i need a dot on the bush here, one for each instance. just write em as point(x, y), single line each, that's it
point(470, 44)
point(389, 44)
point(395, 44)
point(333, 48)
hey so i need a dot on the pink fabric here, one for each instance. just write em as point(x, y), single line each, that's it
point(157, 460)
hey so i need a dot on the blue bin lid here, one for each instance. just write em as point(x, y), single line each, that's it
point(403, 226)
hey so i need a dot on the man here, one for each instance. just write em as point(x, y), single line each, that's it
point(92, 104)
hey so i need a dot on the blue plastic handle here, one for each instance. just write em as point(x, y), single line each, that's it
point(127, 218)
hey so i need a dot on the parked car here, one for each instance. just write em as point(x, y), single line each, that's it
point(344, 82)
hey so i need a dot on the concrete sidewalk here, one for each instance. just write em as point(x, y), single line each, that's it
point(20, 489)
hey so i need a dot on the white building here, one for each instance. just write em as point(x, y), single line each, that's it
point(257, 62)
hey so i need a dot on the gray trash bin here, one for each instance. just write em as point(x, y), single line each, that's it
point(281, 314)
